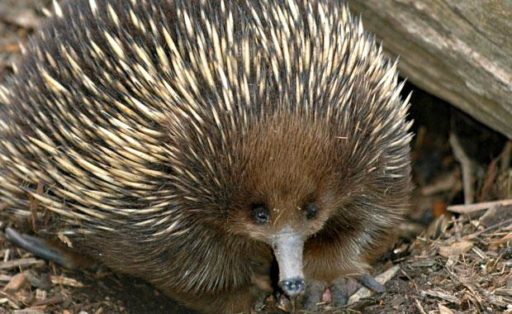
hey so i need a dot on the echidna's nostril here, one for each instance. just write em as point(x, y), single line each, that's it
point(292, 287)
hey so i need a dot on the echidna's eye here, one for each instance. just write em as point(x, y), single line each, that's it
point(260, 214)
point(311, 210)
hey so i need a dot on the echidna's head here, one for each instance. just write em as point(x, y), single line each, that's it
point(289, 184)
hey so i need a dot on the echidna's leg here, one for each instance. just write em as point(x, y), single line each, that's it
point(313, 295)
point(42, 248)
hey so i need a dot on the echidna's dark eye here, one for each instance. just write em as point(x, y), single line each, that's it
point(311, 210)
point(260, 214)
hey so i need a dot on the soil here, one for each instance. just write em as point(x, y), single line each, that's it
point(450, 259)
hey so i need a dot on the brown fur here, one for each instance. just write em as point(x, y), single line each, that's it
point(153, 159)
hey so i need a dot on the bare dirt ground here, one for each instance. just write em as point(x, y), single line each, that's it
point(450, 259)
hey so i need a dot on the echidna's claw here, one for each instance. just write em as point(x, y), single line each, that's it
point(370, 283)
point(343, 288)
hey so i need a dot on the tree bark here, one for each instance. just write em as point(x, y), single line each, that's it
point(460, 51)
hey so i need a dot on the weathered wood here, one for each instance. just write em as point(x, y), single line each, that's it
point(460, 51)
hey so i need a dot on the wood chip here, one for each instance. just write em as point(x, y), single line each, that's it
point(56, 299)
point(65, 281)
point(41, 295)
point(5, 278)
point(471, 208)
point(495, 215)
point(28, 311)
point(503, 291)
point(419, 307)
point(455, 249)
point(16, 283)
point(440, 294)
point(424, 263)
point(444, 310)
point(382, 279)
point(504, 239)
point(22, 262)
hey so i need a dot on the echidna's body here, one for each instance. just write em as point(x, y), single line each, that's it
point(185, 141)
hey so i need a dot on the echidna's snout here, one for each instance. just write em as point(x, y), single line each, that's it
point(288, 248)
point(293, 287)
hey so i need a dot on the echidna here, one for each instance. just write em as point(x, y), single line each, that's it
point(192, 142)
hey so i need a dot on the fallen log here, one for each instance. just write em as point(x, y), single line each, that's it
point(460, 51)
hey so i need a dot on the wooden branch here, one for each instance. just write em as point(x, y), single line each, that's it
point(460, 51)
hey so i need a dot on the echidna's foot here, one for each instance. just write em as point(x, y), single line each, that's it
point(43, 249)
point(313, 296)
